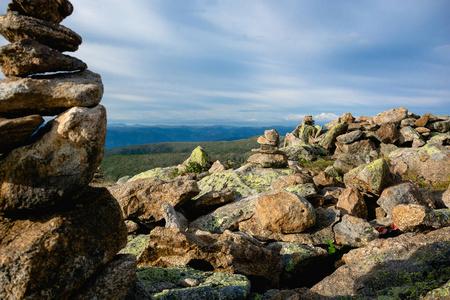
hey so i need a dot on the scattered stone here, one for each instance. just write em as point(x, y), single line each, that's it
point(217, 167)
point(412, 217)
point(28, 57)
point(17, 132)
point(268, 160)
point(373, 177)
point(404, 192)
point(408, 134)
point(346, 162)
point(144, 198)
point(440, 126)
point(208, 202)
point(422, 121)
point(16, 27)
point(408, 122)
point(446, 198)
point(388, 133)
point(171, 217)
point(284, 212)
point(324, 179)
point(291, 180)
point(51, 10)
point(59, 165)
point(347, 118)
point(34, 250)
point(350, 137)
point(352, 202)
point(132, 226)
point(49, 95)
point(354, 231)
point(362, 148)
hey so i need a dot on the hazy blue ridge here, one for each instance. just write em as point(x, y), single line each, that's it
point(120, 136)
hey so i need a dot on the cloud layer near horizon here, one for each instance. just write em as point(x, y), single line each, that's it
point(264, 62)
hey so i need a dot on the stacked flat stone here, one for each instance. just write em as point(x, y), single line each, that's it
point(268, 155)
point(58, 236)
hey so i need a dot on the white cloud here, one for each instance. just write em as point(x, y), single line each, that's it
point(325, 117)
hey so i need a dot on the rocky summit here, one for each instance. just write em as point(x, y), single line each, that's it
point(356, 209)
point(59, 238)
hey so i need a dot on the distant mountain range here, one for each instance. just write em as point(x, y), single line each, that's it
point(127, 135)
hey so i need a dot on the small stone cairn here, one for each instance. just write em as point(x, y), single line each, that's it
point(268, 156)
point(59, 237)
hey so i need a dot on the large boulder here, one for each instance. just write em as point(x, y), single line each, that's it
point(49, 95)
point(350, 137)
point(405, 192)
point(17, 132)
point(430, 163)
point(269, 160)
point(387, 133)
point(392, 116)
point(16, 27)
point(362, 148)
point(50, 255)
point(228, 252)
point(59, 165)
point(51, 10)
point(198, 159)
point(291, 180)
point(352, 202)
point(373, 177)
point(144, 198)
point(284, 212)
point(407, 266)
point(28, 57)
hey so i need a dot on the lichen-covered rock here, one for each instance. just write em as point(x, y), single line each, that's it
point(362, 148)
point(352, 202)
point(440, 126)
point(412, 217)
point(245, 181)
point(113, 282)
point(50, 255)
point(332, 134)
point(373, 177)
point(159, 173)
point(135, 244)
point(284, 212)
point(28, 57)
point(408, 134)
point(50, 10)
point(144, 198)
point(430, 163)
point(16, 27)
point(407, 266)
point(198, 157)
point(59, 165)
point(405, 192)
point(298, 151)
point(324, 179)
point(228, 252)
point(354, 231)
point(49, 95)
point(208, 202)
point(345, 163)
point(169, 283)
point(217, 167)
point(393, 116)
point(17, 132)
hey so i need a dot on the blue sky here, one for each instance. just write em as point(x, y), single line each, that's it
point(264, 62)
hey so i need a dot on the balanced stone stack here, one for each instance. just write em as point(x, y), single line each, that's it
point(268, 156)
point(59, 237)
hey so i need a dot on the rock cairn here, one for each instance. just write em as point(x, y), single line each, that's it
point(268, 155)
point(59, 237)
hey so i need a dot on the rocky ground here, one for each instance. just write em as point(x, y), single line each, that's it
point(368, 219)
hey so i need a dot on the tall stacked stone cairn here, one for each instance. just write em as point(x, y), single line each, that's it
point(59, 237)
point(268, 156)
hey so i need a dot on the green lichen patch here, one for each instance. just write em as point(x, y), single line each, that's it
point(303, 190)
point(160, 173)
point(136, 244)
point(167, 283)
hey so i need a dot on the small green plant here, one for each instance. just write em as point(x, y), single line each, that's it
point(176, 173)
point(193, 167)
point(331, 248)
